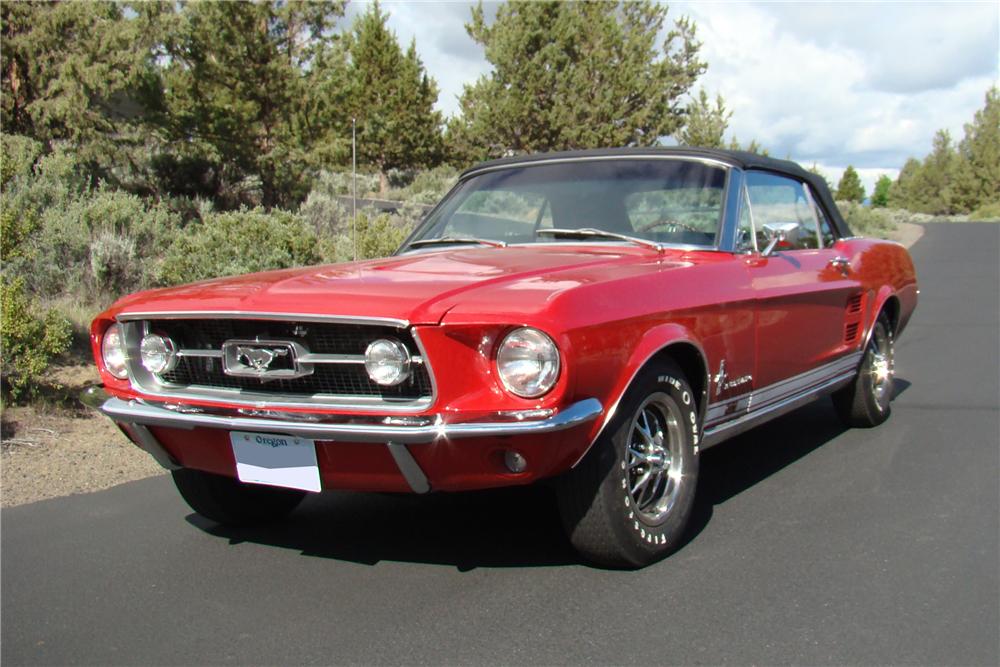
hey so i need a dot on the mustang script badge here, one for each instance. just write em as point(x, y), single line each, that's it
point(265, 359)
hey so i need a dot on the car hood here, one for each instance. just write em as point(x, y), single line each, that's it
point(417, 287)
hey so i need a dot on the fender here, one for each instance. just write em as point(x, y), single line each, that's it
point(882, 297)
point(653, 342)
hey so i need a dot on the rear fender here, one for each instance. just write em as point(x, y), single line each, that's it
point(879, 303)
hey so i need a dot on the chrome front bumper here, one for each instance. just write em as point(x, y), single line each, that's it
point(149, 414)
point(137, 415)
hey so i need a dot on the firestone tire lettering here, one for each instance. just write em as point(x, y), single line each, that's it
point(605, 518)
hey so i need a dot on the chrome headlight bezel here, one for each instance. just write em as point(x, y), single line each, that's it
point(387, 362)
point(158, 354)
point(518, 352)
point(113, 351)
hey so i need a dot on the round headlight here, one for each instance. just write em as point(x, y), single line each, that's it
point(387, 362)
point(158, 353)
point(528, 362)
point(113, 351)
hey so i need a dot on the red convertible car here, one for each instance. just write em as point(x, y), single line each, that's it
point(594, 318)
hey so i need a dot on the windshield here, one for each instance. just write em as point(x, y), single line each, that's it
point(676, 202)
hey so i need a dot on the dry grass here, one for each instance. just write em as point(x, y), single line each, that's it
point(57, 447)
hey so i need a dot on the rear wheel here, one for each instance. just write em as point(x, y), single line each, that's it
point(866, 401)
point(628, 502)
point(232, 502)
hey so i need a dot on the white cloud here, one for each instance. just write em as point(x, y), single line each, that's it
point(908, 46)
point(848, 83)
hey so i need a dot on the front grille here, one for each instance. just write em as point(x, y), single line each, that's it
point(327, 379)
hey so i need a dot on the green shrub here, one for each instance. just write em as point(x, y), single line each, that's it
point(28, 341)
point(71, 232)
point(986, 212)
point(325, 214)
point(19, 157)
point(340, 183)
point(423, 187)
point(74, 221)
point(113, 262)
point(378, 236)
point(865, 221)
point(15, 229)
point(237, 242)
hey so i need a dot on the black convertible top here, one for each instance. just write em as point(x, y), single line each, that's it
point(741, 159)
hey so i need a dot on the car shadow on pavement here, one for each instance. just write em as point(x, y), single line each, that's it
point(738, 464)
point(515, 527)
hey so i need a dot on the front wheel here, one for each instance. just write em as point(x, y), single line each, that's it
point(866, 401)
point(628, 502)
point(232, 502)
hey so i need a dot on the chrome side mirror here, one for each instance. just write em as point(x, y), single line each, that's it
point(777, 232)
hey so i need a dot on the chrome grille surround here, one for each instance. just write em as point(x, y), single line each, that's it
point(345, 371)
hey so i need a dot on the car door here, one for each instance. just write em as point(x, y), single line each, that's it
point(803, 289)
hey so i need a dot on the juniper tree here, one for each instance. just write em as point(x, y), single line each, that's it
point(704, 123)
point(393, 99)
point(880, 196)
point(569, 75)
point(237, 88)
point(977, 176)
point(849, 188)
point(75, 72)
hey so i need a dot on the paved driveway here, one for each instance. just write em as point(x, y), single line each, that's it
point(811, 544)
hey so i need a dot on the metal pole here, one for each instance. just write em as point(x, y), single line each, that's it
point(354, 185)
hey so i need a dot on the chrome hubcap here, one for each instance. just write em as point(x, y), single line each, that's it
point(654, 457)
point(880, 366)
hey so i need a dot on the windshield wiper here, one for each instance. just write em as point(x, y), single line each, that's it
point(457, 239)
point(590, 231)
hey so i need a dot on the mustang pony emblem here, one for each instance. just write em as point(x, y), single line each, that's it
point(265, 360)
point(259, 358)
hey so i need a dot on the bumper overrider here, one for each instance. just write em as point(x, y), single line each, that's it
point(396, 433)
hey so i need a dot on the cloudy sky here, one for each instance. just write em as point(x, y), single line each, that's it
point(831, 83)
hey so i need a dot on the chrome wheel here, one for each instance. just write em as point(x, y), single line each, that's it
point(880, 366)
point(655, 456)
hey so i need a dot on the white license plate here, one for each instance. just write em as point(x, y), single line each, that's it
point(276, 459)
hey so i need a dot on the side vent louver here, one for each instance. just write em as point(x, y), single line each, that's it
point(851, 332)
point(854, 304)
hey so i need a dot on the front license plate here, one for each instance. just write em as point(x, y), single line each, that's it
point(276, 459)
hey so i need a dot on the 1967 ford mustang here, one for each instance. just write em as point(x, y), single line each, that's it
point(593, 318)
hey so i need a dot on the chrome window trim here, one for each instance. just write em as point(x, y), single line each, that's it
point(255, 315)
point(600, 158)
point(745, 201)
point(737, 199)
point(815, 212)
point(148, 384)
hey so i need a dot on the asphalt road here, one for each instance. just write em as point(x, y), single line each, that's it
point(811, 545)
